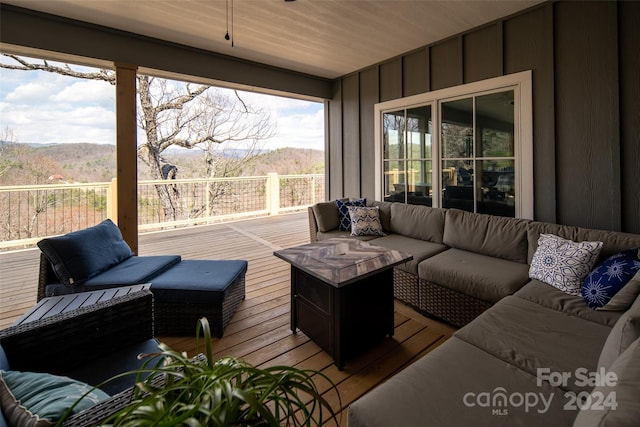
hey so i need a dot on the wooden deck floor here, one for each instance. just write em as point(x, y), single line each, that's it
point(259, 331)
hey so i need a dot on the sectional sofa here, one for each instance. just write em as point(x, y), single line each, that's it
point(527, 353)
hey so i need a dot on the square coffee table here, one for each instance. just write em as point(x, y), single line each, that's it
point(342, 293)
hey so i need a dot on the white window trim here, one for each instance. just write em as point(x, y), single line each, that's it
point(523, 120)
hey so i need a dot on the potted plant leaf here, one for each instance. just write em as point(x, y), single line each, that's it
point(173, 389)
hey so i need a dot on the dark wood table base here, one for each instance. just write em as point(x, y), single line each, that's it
point(343, 321)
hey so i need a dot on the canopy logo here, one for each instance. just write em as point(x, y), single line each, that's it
point(500, 401)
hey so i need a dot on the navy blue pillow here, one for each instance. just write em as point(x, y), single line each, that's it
point(343, 212)
point(82, 254)
point(604, 282)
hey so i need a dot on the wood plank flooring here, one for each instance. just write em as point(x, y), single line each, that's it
point(259, 331)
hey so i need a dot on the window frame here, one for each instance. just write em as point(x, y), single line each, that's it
point(520, 83)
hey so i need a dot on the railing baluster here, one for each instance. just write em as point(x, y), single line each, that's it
point(37, 211)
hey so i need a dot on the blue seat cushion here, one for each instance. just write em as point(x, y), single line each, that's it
point(197, 281)
point(4, 362)
point(112, 364)
point(80, 255)
point(134, 270)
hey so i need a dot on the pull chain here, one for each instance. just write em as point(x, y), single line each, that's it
point(227, 36)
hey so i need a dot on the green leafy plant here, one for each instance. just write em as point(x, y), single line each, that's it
point(173, 389)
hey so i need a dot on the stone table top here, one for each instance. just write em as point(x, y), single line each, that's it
point(341, 261)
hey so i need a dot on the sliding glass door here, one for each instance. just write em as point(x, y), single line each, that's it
point(478, 156)
point(408, 155)
point(469, 147)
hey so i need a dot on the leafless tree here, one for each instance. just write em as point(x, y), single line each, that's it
point(7, 136)
point(176, 114)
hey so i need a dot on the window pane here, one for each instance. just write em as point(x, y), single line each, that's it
point(494, 121)
point(457, 184)
point(419, 132)
point(419, 179)
point(393, 135)
point(395, 181)
point(497, 195)
point(457, 129)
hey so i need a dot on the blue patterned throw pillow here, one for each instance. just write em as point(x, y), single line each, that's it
point(365, 221)
point(343, 211)
point(608, 278)
point(563, 263)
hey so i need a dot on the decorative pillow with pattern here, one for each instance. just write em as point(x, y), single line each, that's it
point(608, 278)
point(563, 263)
point(343, 211)
point(365, 221)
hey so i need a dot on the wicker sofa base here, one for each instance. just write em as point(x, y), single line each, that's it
point(405, 287)
point(449, 305)
point(181, 319)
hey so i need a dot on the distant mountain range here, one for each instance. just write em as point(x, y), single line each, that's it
point(24, 163)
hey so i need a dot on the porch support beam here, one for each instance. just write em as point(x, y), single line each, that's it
point(126, 153)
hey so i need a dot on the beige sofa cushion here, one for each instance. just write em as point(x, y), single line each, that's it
point(625, 331)
point(481, 276)
point(613, 241)
point(534, 337)
point(444, 387)
point(548, 296)
point(495, 236)
point(420, 249)
point(624, 394)
point(334, 234)
point(419, 222)
point(327, 216)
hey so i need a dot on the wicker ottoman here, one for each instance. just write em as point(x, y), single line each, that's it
point(197, 288)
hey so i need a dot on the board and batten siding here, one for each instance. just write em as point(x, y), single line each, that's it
point(585, 59)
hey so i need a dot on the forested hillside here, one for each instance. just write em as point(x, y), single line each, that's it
point(23, 164)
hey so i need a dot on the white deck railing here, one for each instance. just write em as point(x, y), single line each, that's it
point(31, 212)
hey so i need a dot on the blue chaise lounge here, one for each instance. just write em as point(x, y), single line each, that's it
point(184, 290)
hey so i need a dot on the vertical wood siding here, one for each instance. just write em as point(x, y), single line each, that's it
point(629, 90)
point(586, 94)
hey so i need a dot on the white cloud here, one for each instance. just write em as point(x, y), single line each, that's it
point(49, 108)
point(86, 91)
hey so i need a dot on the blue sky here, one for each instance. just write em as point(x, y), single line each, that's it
point(42, 107)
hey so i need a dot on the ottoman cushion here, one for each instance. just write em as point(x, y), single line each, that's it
point(197, 281)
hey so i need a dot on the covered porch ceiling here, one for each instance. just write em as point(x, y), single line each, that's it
point(324, 38)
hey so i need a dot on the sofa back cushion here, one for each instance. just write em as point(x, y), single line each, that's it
point(613, 241)
point(621, 406)
point(496, 236)
point(80, 255)
point(419, 222)
point(385, 213)
point(327, 216)
point(624, 332)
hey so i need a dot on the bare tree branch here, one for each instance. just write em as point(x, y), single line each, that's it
point(104, 75)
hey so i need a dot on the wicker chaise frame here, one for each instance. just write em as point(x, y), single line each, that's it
point(181, 319)
point(45, 275)
point(55, 343)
